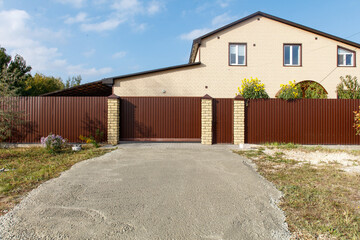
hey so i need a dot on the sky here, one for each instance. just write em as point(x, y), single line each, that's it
point(103, 38)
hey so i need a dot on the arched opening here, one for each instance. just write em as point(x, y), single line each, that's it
point(308, 86)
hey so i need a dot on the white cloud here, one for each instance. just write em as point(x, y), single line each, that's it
point(79, 18)
point(195, 33)
point(120, 54)
point(222, 19)
point(19, 36)
point(216, 22)
point(89, 53)
point(109, 24)
point(138, 27)
point(82, 70)
point(154, 7)
point(74, 3)
point(123, 11)
point(129, 6)
point(223, 3)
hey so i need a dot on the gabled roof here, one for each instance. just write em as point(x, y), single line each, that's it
point(197, 41)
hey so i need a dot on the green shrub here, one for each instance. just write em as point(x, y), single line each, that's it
point(290, 91)
point(313, 90)
point(348, 88)
point(53, 143)
point(252, 89)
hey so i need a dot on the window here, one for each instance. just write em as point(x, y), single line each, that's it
point(346, 57)
point(292, 55)
point(237, 54)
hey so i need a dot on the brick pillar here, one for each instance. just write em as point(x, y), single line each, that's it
point(239, 120)
point(113, 119)
point(206, 120)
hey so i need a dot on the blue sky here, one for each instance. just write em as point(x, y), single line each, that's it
point(104, 38)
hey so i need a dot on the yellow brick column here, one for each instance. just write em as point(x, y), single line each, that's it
point(206, 120)
point(239, 120)
point(113, 119)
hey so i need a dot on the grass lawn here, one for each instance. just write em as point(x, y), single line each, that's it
point(27, 168)
point(319, 201)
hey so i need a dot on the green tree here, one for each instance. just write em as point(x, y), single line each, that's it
point(9, 114)
point(41, 84)
point(18, 67)
point(73, 81)
point(348, 88)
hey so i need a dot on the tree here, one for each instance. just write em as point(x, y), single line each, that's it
point(18, 67)
point(348, 88)
point(41, 84)
point(73, 81)
point(9, 115)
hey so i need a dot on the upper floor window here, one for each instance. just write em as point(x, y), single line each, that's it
point(346, 58)
point(237, 54)
point(292, 54)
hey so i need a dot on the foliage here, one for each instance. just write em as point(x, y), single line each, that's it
point(252, 89)
point(290, 91)
point(41, 84)
point(99, 135)
point(73, 81)
point(9, 115)
point(53, 143)
point(17, 68)
point(313, 90)
point(357, 121)
point(348, 88)
point(29, 167)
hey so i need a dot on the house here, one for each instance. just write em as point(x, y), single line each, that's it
point(195, 101)
point(259, 45)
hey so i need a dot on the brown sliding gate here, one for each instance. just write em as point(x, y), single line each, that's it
point(160, 119)
point(306, 121)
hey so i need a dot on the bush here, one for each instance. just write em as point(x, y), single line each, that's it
point(53, 143)
point(357, 122)
point(348, 88)
point(99, 135)
point(290, 91)
point(252, 89)
point(313, 90)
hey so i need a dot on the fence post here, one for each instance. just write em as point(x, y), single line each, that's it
point(239, 120)
point(113, 119)
point(206, 119)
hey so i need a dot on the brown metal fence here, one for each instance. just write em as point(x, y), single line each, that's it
point(306, 121)
point(160, 119)
point(69, 117)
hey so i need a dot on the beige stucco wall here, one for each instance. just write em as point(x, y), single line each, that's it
point(264, 60)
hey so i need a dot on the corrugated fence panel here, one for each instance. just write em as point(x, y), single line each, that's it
point(223, 120)
point(305, 121)
point(160, 118)
point(69, 117)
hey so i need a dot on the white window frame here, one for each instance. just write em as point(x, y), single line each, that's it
point(237, 54)
point(343, 55)
point(291, 55)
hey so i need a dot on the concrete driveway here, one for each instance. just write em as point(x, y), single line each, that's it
point(152, 191)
